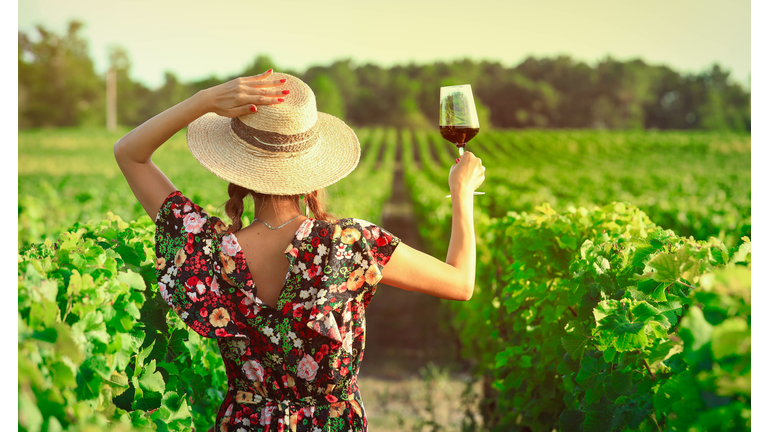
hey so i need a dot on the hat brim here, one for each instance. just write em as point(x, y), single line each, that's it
point(333, 157)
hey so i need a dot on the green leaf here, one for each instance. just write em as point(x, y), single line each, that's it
point(151, 380)
point(621, 382)
point(570, 421)
point(695, 330)
point(667, 267)
point(644, 312)
point(133, 280)
point(599, 418)
point(575, 343)
point(731, 337)
point(590, 374)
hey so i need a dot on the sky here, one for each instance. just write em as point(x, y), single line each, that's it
point(196, 39)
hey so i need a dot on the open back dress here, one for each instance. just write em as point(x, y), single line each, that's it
point(289, 368)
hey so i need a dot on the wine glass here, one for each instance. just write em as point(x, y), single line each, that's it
point(458, 117)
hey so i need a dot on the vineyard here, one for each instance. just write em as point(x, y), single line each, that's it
point(613, 287)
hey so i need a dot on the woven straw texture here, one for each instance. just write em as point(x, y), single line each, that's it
point(328, 149)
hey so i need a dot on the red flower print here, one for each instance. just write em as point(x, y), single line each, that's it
point(315, 242)
point(331, 398)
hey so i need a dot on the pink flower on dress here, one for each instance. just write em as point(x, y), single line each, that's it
point(308, 368)
point(253, 370)
point(215, 287)
point(229, 245)
point(266, 415)
point(164, 292)
point(193, 223)
point(305, 230)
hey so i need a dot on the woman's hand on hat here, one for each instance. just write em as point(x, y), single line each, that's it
point(242, 95)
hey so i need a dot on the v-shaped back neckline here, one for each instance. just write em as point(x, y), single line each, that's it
point(249, 275)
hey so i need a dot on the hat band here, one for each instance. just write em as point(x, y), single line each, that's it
point(274, 141)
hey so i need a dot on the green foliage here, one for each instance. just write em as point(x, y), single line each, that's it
point(328, 97)
point(58, 85)
point(97, 345)
point(591, 320)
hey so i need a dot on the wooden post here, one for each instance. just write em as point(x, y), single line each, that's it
point(111, 100)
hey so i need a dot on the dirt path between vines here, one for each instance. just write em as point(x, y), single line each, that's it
point(412, 376)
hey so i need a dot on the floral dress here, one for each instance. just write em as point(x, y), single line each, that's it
point(290, 368)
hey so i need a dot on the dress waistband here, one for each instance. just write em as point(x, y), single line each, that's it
point(282, 408)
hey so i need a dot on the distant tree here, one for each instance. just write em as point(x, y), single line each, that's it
point(58, 85)
point(134, 100)
point(328, 96)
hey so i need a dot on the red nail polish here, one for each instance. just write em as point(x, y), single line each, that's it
point(253, 108)
point(286, 91)
point(270, 70)
point(283, 80)
point(280, 100)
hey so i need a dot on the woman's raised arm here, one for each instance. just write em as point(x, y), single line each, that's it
point(453, 279)
point(133, 152)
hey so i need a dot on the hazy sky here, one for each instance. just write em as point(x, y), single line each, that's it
point(196, 39)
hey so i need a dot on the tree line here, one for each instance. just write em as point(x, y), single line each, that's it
point(59, 86)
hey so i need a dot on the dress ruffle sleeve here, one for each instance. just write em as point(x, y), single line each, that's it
point(359, 251)
point(190, 259)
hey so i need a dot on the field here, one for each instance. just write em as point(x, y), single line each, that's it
point(549, 196)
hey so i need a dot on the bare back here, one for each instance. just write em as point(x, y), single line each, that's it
point(264, 250)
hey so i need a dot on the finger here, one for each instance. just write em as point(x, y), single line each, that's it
point(254, 91)
point(257, 84)
point(243, 110)
point(260, 76)
point(263, 100)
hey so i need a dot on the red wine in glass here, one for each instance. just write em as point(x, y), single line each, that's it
point(458, 116)
point(459, 135)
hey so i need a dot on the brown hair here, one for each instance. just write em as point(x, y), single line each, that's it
point(235, 206)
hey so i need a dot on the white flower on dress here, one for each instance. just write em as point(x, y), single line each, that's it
point(292, 335)
point(184, 315)
point(298, 343)
point(348, 254)
point(275, 339)
point(253, 370)
point(324, 278)
point(347, 343)
point(164, 292)
point(229, 245)
point(268, 331)
point(193, 223)
point(358, 256)
point(304, 294)
point(187, 207)
point(322, 250)
point(312, 290)
point(166, 279)
point(318, 259)
point(304, 231)
point(266, 414)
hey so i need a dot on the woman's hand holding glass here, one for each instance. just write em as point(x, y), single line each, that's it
point(467, 175)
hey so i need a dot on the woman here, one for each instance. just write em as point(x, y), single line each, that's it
point(290, 321)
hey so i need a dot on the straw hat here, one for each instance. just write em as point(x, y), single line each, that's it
point(284, 149)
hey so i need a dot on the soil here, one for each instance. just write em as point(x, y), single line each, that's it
point(412, 376)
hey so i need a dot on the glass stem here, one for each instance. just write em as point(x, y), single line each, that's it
point(461, 151)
